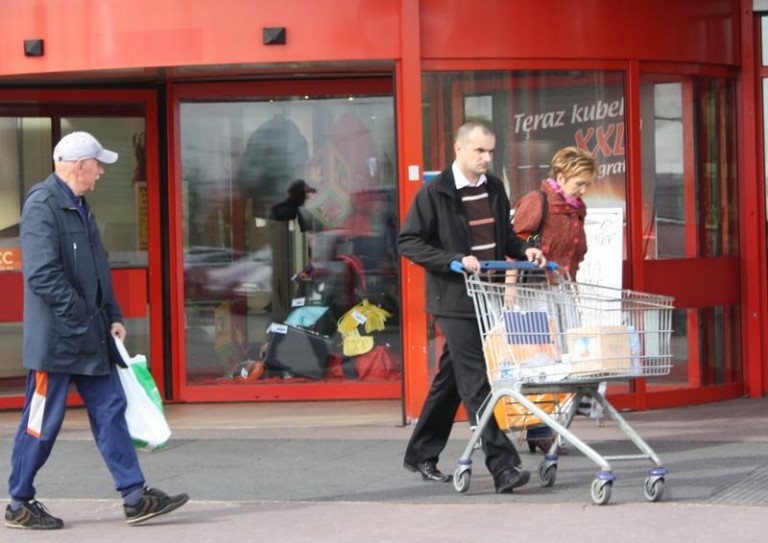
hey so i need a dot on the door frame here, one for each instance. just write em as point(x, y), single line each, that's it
point(97, 102)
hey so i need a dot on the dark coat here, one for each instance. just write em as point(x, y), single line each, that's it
point(68, 299)
point(436, 232)
point(287, 210)
point(563, 239)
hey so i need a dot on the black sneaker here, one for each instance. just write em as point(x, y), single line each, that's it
point(32, 515)
point(153, 503)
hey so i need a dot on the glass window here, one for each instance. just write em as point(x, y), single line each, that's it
point(765, 140)
point(720, 344)
point(764, 40)
point(709, 335)
point(119, 202)
point(25, 145)
point(689, 167)
point(533, 114)
point(290, 218)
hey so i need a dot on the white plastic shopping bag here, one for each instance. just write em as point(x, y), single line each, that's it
point(144, 414)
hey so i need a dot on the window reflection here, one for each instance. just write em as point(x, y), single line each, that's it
point(666, 186)
point(765, 136)
point(719, 333)
point(764, 40)
point(289, 234)
point(689, 167)
point(707, 336)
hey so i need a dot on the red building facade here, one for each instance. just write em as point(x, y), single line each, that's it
point(218, 110)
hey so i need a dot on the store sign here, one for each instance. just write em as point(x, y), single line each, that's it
point(602, 264)
point(590, 117)
point(10, 259)
point(584, 115)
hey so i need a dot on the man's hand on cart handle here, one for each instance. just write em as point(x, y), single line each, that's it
point(470, 264)
point(535, 256)
point(535, 259)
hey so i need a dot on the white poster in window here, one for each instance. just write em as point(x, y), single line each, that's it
point(602, 264)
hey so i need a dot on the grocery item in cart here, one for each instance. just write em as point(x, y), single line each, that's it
point(599, 349)
point(522, 343)
point(506, 359)
point(511, 414)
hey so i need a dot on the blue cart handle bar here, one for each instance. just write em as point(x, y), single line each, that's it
point(457, 267)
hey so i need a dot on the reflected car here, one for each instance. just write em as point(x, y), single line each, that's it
point(216, 274)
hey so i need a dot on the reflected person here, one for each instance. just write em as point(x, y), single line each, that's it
point(291, 208)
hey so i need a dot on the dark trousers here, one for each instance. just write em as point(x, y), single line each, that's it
point(461, 377)
point(104, 400)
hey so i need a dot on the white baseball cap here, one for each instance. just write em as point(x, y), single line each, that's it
point(82, 146)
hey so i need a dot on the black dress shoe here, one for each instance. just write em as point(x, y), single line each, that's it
point(510, 479)
point(429, 471)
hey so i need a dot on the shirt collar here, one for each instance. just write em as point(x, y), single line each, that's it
point(78, 201)
point(461, 180)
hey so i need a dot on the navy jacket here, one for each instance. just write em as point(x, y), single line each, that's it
point(68, 298)
point(436, 232)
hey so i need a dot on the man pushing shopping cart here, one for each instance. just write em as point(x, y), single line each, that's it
point(462, 215)
point(542, 333)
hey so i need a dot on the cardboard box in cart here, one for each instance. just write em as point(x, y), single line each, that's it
point(599, 350)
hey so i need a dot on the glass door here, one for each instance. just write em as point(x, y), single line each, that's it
point(29, 129)
point(690, 225)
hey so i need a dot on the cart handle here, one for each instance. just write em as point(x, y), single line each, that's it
point(505, 265)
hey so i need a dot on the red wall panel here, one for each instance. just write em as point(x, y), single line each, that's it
point(108, 34)
point(678, 30)
point(12, 287)
point(130, 286)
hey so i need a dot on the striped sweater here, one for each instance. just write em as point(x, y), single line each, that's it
point(482, 224)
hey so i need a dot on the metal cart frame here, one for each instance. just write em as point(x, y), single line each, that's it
point(544, 334)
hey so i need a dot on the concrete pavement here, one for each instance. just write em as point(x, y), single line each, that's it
point(332, 471)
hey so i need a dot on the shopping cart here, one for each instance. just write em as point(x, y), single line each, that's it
point(544, 334)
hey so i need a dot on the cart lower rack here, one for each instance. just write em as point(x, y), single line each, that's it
point(543, 334)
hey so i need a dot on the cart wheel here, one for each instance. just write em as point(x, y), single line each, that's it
point(654, 488)
point(601, 491)
point(461, 479)
point(547, 474)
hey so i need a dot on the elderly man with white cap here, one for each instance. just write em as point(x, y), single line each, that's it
point(70, 314)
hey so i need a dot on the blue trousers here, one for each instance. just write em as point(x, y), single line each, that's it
point(41, 421)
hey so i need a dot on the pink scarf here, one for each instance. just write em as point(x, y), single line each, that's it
point(572, 201)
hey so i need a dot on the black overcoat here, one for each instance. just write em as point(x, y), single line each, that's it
point(435, 232)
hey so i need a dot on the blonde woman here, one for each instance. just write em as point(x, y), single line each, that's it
point(552, 217)
point(556, 210)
